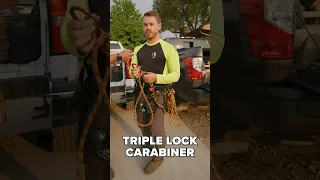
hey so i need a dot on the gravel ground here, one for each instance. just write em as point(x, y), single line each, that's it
point(262, 161)
point(198, 120)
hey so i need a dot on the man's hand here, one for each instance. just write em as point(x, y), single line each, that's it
point(149, 77)
point(81, 33)
point(136, 72)
point(126, 55)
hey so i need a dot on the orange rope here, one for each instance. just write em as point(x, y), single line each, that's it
point(171, 103)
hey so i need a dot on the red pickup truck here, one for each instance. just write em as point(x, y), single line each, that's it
point(259, 79)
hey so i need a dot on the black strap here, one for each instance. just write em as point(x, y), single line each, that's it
point(84, 67)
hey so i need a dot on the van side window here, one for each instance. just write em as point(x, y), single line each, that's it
point(187, 44)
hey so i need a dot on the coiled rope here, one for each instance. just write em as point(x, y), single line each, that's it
point(171, 102)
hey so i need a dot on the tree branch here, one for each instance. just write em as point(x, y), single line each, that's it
point(208, 20)
point(189, 23)
point(196, 23)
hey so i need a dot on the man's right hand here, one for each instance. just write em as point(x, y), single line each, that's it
point(126, 55)
point(136, 72)
point(81, 33)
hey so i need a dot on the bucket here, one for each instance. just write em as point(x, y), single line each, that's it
point(116, 73)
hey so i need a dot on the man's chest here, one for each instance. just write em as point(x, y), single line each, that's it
point(151, 55)
point(151, 58)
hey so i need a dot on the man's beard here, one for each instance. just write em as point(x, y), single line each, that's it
point(153, 35)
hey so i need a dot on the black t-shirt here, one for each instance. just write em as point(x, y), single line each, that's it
point(152, 58)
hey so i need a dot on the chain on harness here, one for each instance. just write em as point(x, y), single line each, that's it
point(170, 102)
point(102, 85)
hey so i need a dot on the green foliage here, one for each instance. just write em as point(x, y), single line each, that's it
point(126, 24)
point(175, 13)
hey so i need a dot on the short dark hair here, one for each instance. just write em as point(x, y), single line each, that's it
point(154, 14)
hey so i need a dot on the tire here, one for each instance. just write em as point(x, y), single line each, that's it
point(65, 138)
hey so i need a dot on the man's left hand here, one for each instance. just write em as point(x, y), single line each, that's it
point(150, 77)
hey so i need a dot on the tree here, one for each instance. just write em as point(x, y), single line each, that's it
point(175, 13)
point(126, 24)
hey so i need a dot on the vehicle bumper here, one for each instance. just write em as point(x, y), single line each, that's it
point(273, 70)
point(130, 85)
point(118, 95)
point(28, 119)
point(196, 96)
point(291, 112)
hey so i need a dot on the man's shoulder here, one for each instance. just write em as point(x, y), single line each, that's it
point(167, 47)
point(166, 44)
point(137, 48)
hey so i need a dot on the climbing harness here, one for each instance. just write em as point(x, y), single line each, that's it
point(170, 102)
point(100, 139)
point(102, 84)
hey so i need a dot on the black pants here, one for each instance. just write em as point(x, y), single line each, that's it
point(96, 168)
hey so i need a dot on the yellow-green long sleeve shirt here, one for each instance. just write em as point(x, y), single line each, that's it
point(63, 32)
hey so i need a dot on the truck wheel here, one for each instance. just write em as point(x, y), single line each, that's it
point(65, 138)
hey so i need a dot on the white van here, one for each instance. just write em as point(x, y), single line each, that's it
point(121, 85)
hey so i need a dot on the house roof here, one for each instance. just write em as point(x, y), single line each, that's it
point(199, 32)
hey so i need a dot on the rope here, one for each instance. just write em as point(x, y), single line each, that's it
point(102, 40)
point(171, 103)
point(103, 96)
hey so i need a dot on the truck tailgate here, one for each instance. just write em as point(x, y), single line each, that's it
point(283, 109)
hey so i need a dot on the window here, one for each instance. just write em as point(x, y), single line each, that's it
point(187, 44)
point(201, 42)
point(115, 46)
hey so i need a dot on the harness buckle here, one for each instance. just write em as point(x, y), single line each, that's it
point(104, 154)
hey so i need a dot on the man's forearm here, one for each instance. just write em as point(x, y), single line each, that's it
point(168, 78)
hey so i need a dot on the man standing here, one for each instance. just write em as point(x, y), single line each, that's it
point(160, 62)
point(77, 37)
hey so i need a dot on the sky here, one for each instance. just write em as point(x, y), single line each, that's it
point(144, 6)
